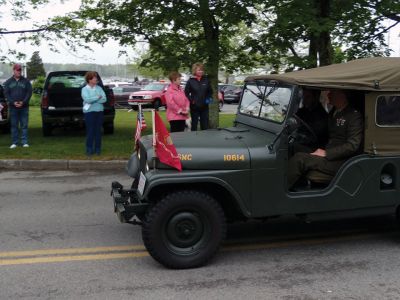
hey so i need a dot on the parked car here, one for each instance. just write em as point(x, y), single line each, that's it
point(240, 173)
point(231, 93)
point(152, 95)
point(114, 84)
point(122, 93)
point(61, 104)
point(4, 113)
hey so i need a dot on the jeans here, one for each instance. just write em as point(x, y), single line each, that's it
point(93, 122)
point(202, 115)
point(19, 121)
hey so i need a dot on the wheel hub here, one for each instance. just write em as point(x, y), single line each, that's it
point(184, 229)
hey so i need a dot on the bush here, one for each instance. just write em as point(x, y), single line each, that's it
point(37, 87)
point(38, 83)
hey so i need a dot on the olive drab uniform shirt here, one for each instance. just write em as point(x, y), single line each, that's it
point(345, 133)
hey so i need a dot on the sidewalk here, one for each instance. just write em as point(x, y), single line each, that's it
point(61, 164)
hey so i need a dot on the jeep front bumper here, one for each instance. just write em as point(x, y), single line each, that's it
point(127, 204)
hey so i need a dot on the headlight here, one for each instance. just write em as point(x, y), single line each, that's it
point(147, 97)
point(133, 167)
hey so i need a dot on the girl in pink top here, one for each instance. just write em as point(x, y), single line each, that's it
point(177, 103)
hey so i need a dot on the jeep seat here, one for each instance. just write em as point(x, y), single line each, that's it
point(319, 177)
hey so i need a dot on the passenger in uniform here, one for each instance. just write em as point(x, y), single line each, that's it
point(315, 116)
point(345, 135)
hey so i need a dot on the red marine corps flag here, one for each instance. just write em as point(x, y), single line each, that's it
point(162, 142)
point(140, 125)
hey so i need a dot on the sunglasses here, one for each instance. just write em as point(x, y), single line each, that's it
point(18, 70)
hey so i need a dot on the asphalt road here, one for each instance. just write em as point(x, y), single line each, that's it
point(59, 239)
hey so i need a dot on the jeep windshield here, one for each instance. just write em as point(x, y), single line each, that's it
point(266, 100)
point(154, 87)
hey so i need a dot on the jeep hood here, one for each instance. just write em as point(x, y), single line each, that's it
point(222, 149)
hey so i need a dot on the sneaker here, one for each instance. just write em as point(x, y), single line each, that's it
point(25, 145)
point(13, 146)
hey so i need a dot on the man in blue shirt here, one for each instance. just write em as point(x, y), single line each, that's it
point(18, 92)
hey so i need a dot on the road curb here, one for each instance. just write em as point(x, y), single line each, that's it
point(61, 164)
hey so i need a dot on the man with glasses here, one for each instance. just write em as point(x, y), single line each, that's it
point(18, 91)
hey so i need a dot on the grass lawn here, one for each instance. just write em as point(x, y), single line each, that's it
point(70, 144)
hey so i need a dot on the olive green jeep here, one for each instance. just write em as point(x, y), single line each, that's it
point(240, 173)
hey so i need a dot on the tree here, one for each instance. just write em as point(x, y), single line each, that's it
point(310, 33)
point(35, 67)
point(179, 33)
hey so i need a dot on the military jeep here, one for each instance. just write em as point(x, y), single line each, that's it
point(240, 173)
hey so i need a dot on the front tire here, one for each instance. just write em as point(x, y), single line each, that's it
point(184, 229)
point(157, 104)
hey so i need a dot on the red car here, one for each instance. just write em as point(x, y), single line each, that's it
point(152, 95)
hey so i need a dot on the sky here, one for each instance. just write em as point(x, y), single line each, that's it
point(107, 54)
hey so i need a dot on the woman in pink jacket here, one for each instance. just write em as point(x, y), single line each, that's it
point(177, 103)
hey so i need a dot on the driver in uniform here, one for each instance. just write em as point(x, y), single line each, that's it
point(316, 117)
point(345, 135)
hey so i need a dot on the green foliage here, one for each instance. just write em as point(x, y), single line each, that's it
point(38, 82)
point(227, 35)
point(178, 33)
point(35, 67)
point(37, 86)
point(298, 33)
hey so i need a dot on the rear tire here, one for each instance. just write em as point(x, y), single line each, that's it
point(47, 129)
point(184, 229)
point(6, 129)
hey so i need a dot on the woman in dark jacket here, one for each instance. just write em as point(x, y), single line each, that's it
point(199, 92)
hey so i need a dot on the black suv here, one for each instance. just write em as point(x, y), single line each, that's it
point(4, 114)
point(230, 92)
point(62, 103)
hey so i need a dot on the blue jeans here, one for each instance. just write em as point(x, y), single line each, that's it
point(93, 122)
point(19, 121)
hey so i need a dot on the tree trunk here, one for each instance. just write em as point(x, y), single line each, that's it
point(325, 45)
point(320, 49)
point(313, 51)
point(211, 33)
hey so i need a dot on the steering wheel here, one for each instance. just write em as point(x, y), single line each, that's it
point(302, 138)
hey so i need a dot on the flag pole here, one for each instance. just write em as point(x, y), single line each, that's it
point(140, 109)
point(139, 116)
point(153, 115)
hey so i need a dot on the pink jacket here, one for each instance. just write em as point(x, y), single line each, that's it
point(176, 102)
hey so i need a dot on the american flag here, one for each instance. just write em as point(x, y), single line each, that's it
point(140, 125)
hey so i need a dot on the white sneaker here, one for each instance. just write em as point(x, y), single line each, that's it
point(13, 146)
point(25, 145)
